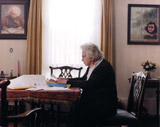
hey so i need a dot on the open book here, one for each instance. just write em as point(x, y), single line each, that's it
point(13, 31)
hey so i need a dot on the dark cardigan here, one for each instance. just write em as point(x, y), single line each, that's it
point(99, 97)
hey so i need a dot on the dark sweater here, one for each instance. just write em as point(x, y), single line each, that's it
point(99, 97)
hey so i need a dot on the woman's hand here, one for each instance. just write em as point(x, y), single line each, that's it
point(61, 80)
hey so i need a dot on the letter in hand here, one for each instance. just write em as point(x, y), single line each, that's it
point(61, 80)
point(53, 77)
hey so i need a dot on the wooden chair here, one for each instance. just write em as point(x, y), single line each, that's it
point(132, 116)
point(65, 71)
point(29, 115)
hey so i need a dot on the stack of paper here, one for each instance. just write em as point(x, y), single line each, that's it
point(27, 81)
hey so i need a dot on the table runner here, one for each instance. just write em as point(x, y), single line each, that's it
point(54, 96)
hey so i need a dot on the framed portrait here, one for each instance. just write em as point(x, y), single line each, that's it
point(143, 24)
point(13, 19)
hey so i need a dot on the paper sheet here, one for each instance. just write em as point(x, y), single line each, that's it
point(27, 81)
point(22, 87)
point(47, 88)
point(56, 88)
point(32, 83)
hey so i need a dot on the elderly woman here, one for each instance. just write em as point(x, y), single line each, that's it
point(13, 19)
point(99, 97)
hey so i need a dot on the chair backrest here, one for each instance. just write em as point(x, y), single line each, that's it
point(65, 71)
point(5, 119)
point(3, 105)
point(136, 94)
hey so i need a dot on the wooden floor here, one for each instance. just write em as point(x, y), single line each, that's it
point(149, 121)
point(19, 125)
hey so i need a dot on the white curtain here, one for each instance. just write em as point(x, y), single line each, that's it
point(67, 24)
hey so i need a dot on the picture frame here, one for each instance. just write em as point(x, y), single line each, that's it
point(143, 24)
point(13, 19)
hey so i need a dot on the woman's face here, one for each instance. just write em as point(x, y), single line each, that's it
point(86, 61)
point(13, 14)
point(151, 28)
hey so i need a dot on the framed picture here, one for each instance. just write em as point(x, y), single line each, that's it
point(13, 19)
point(143, 24)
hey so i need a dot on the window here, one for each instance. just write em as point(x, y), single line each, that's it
point(66, 25)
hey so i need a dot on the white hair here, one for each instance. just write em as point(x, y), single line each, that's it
point(15, 9)
point(92, 51)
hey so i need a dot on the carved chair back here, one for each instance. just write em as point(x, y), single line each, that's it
point(136, 95)
point(65, 71)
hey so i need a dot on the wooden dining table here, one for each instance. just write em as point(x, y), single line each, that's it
point(57, 97)
point(45, 96)
point(154, 84)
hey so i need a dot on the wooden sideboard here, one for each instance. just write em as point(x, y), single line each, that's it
point(154, 84)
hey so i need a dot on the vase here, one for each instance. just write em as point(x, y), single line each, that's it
point(149, 74)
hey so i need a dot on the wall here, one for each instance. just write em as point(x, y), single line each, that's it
point(129, 57)
point(9, 60)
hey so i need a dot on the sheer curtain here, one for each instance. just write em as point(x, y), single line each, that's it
point(67, 24)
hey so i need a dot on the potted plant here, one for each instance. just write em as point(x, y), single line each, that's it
point(148, 66)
